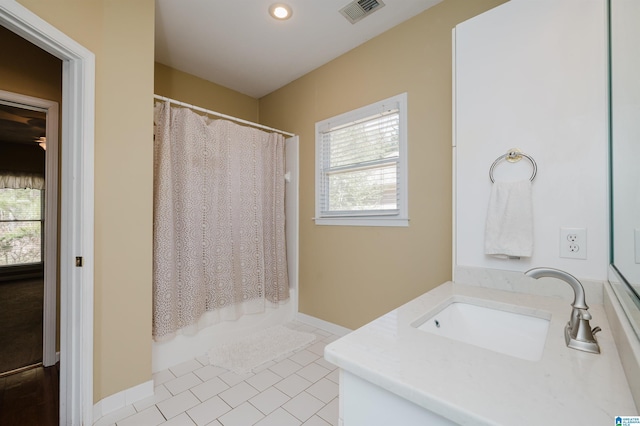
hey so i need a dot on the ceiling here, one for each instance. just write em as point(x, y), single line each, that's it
point(18, 125)
point(238, 45)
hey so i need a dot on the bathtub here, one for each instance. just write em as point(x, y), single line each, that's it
point(184, 348)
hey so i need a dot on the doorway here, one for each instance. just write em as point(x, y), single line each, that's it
point(28, 241)
point(76, 207)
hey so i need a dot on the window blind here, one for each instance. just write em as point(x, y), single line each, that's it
point(360, 167)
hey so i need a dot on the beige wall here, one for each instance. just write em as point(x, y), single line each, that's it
point(351, 275)
point(120, 34)
point(28, 70)
point(187, 88)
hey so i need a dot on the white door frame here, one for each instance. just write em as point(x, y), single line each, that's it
point(76, 224)
point(50, 218)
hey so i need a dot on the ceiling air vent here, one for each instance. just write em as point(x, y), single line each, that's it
point(357, 10)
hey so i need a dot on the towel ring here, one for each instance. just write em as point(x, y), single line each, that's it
point(512, 156)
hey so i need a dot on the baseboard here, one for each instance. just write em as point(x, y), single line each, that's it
point(122, 399)
point(332, 328)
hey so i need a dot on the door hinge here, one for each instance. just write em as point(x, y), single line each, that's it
point(79, 261)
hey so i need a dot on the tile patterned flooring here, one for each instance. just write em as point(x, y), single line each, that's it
point(301, 389)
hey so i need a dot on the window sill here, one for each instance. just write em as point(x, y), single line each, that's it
point(360, 221)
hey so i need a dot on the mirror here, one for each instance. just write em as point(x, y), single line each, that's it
point(625, 152)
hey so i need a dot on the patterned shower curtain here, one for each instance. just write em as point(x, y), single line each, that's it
point(219, 224)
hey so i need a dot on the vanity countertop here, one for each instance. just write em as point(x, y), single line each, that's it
point(474, 386)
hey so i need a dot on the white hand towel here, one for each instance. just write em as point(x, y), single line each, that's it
point(509, 227)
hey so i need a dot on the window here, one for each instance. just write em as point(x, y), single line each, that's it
point(21, 220)
point(361, 166)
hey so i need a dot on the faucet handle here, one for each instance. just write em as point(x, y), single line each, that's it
point(581, 335)
point(583, 314)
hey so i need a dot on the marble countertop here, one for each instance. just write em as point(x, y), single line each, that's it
point(474, 386)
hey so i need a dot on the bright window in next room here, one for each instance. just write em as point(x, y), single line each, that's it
point(21, 226)
point(361, 166)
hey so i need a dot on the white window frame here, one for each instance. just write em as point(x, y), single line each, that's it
point(355, 219)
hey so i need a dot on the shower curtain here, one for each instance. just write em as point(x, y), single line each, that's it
point(219, 224)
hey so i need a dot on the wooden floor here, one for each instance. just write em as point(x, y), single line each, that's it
point(21, 319)
point(30, 397)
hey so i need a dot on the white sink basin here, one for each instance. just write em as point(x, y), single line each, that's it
point(519, 335)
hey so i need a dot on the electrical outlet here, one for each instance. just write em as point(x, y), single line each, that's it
point(573, 243)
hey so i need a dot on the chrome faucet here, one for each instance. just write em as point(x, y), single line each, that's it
point(578, 333)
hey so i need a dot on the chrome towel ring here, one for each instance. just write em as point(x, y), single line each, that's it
point(512, 156)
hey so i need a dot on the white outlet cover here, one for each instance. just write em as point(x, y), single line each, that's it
point(570, 238)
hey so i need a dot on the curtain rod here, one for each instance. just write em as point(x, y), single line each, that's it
point(228, 117)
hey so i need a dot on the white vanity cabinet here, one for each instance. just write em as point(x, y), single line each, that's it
point(363, 403)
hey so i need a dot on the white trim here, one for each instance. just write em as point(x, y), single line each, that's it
point(292, 212)
point(50, 220)
point(76, 233)
point(330, 327)
point(454, 153)
point(358, 221)
point(121, 399)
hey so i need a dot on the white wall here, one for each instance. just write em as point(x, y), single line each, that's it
point(532, 74)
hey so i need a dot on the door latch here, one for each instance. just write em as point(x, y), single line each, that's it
point(79, 261)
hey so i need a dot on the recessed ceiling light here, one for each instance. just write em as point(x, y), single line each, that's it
point(280, 11)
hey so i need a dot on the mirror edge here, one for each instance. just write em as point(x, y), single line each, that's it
point(627, 297)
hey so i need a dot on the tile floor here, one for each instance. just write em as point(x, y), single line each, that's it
point(301, 389)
